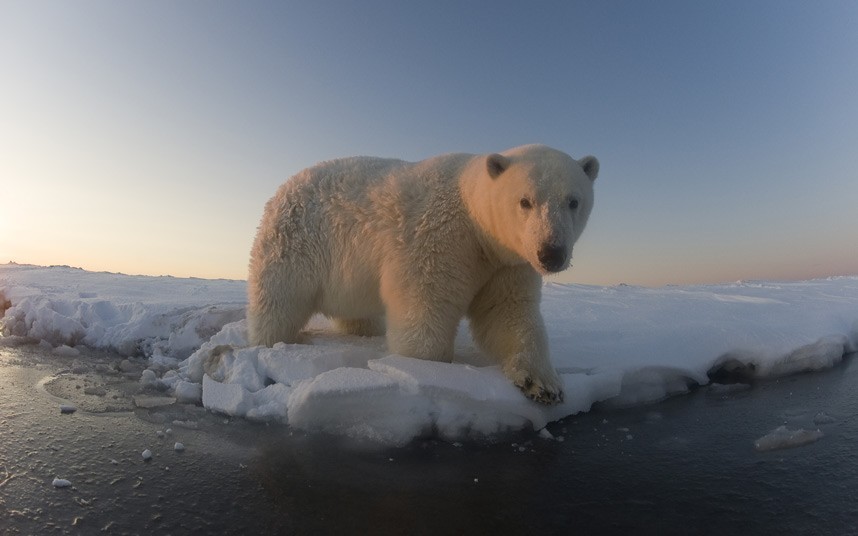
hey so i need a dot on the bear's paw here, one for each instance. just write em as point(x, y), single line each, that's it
point(540, 384)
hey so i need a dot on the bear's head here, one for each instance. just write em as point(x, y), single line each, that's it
point(538, 202)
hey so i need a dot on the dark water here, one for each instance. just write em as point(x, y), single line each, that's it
point(684, 466)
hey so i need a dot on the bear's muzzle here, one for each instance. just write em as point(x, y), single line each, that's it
point(552, 258)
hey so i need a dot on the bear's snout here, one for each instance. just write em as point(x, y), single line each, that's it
point(552, 258)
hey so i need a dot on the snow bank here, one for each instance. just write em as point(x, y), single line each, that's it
point(619, 345)
point(131, 315)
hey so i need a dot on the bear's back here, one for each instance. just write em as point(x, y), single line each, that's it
point(374, 187)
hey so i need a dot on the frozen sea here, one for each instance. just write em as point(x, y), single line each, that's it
point(688, 410)
point(618, 346)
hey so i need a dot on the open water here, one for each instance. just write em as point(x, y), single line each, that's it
point(686, 465)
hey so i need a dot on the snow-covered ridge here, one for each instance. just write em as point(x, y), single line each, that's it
point(624, 345)
point(132, 315)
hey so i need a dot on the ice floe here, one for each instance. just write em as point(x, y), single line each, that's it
point(618, 345)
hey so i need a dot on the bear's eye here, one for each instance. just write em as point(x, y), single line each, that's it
point(525, 203)
point(573, 203)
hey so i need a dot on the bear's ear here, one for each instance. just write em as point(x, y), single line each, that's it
point(496, 164)
point(590, 165)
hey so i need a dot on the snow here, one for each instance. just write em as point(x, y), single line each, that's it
point(618, 345)
point(132, 315)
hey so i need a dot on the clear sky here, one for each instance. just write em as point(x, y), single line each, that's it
point(145, 137)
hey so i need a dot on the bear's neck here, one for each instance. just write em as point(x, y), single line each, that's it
point(493, 249)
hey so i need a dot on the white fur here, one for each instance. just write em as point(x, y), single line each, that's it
point(414, 247)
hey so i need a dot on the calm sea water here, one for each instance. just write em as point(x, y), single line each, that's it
point(683, 466)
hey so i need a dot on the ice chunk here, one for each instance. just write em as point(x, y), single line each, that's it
point(66, 351)
point(358, 403)
point(782, 438)
point(451, 379)
point(651, 384)
point(232, 335)
point(229, 398)
point(545, 434)
point(272, 402)
point(464, 399)
point(188, 392)
point(823, 418)
point(819, 355)
point(290, 363)
point(148, 378)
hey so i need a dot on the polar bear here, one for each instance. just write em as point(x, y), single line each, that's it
point(411, 248)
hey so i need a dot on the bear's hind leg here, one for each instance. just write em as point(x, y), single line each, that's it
point(273, 322)
point(278, 306)
point(364, 327)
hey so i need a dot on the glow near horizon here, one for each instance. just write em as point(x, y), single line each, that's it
point(145, 138)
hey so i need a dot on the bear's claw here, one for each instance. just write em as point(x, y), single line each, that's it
point(546, 397)
point(538, 392)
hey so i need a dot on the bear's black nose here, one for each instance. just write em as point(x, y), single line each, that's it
point(552, 258)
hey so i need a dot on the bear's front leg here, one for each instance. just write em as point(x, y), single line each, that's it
point(507, 324)
point(420, 323)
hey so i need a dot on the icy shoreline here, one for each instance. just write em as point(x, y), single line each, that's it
point(626, 345)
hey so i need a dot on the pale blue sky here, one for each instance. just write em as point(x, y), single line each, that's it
point(145, 137)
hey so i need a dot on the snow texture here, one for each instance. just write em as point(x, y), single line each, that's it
point(618, 345)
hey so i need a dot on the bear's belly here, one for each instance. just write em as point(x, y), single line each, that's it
point(347, 296)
